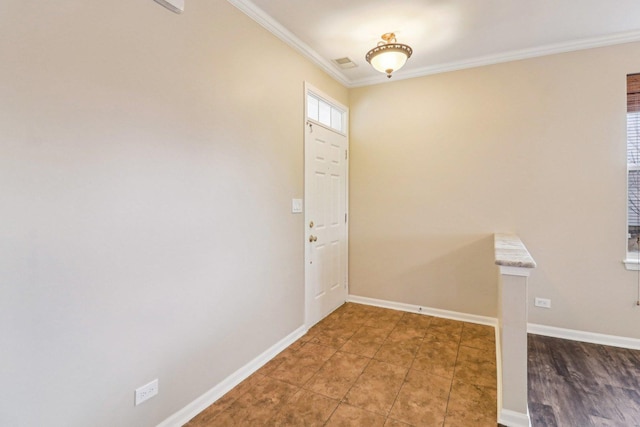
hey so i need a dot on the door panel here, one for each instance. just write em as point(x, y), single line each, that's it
point(325, 215)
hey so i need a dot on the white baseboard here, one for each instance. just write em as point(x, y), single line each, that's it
point(201, 403)
point(513, 419)
point(411, 308)
point(590, 337)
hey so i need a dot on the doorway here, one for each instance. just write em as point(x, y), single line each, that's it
point(326, 152)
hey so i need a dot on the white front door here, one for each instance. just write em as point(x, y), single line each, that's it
point(326, 154)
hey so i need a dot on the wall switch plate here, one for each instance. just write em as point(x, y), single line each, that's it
point(146, 392)
point(542, 302)
point(296, 205)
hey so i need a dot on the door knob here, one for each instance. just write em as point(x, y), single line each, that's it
point(313, 238)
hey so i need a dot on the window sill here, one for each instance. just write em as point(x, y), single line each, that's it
point(632, 264)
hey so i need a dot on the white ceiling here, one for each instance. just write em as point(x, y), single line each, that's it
point(445, 34)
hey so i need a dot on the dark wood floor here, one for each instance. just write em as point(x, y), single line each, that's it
point(578, 384)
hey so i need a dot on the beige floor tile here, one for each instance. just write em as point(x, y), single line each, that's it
point(404, 332)
point(257, 405)
point(445, 328)
point(335, 335)
point(311, 333)
point(422, 400)
point(246, 385)
point(303, 365)
point(361, 308)
point(329, 323)
point(353, 313)
point(349, 416)
point(287, 354)
point(335, 339)
point(395, 423)
point(305, 408)
point(381, 311)
point(297, 345)
point(477, 423)
point(478, 336)
point(386, 319)
point(366, 341)
point(337, 375)
point(377, 387)
point(415, 320)
point(476, 366)
point(436, 356)
point(399, 353)
point(471, 405)
point(306, 337)
point(205, 418)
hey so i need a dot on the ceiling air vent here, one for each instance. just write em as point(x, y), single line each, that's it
point(345, 63)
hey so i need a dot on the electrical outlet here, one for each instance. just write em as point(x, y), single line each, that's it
point(543, 302)
point(146, 392)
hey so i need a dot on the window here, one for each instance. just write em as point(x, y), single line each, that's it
point(325, 113)
point(633, 161)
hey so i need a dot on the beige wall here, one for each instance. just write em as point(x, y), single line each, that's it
point(535, 147)
point(147, 166)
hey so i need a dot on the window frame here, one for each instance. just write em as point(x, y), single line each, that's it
point(333, 111)
point(632, 260)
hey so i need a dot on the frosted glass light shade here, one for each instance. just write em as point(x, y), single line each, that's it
point(389, 60)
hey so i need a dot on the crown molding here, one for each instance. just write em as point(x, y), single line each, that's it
point(516, 55)
point(275, 28)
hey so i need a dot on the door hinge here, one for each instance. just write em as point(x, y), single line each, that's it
point(345, 154)
point(345, 217)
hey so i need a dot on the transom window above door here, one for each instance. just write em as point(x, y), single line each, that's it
point(325, 113)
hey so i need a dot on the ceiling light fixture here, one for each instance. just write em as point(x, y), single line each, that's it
point(388, 56)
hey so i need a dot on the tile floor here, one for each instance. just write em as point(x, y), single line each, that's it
point(370, 366)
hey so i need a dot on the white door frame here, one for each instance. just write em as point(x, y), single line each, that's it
point(308, 88)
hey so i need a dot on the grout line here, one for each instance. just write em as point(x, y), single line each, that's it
point(405, 378)
point(455, 366)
